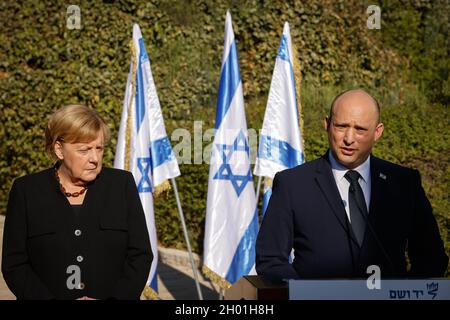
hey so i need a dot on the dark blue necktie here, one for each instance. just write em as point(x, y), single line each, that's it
point(357, 205)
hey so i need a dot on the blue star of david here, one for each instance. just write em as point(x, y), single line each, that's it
point(144, 166)
point(225, 173)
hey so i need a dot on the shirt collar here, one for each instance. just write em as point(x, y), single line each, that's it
point(339, 170)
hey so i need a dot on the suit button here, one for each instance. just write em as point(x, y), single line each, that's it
point(78, 233)
point(81, 286)
point(80, 258)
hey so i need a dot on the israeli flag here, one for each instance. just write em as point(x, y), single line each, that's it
point(231, 216)
point(280, 144)
point(143, 146)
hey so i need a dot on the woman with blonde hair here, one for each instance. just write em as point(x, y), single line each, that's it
point(77, 230)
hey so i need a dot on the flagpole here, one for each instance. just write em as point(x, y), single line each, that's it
point(258, 189)
point(186, 238)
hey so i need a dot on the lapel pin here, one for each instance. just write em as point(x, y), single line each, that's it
point(383, 176)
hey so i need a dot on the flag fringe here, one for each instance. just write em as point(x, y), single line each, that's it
point(150, 294)
point(161, 188)
point(130, 103)
point(268, 182)
point(220, 281)
point(298, 80)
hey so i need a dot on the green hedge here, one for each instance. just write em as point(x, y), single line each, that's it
point(44, 65)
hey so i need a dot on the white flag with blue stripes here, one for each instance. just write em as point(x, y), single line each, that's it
point(280, 144)
point(231, 216)
point(143, 146)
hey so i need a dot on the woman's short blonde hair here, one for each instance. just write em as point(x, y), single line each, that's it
point(72, 124)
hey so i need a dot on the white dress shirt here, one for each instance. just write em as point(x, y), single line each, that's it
point(342, 183)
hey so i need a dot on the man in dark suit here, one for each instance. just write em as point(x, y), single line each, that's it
point(348, 209)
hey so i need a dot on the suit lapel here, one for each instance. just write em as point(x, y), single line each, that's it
point(327, 184)
point(62, 205)
point(378, 180)
point(91, 199)
point(55, 217)
point(378, 186)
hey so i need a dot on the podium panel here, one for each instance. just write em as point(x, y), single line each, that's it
point(405, 289)
point(259, 288)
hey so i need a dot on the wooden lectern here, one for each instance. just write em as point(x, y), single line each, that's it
point(257, 288)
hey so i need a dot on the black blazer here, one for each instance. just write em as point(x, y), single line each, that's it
point(305, 212)
point(40, 242)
